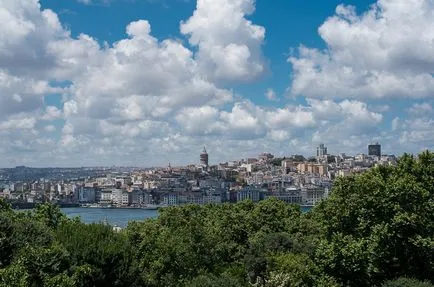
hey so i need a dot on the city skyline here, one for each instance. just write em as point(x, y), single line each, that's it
point(145, 83)
point(204, 161)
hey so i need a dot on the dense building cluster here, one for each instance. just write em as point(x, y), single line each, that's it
point(293, 179)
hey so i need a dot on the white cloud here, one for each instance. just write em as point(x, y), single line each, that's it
point(421, 109)
point(418, 133)
point(229, 44)
point(270, 94)
point(51, 113)
point(89, 2)
point(144, 101)
point(298, 117)
point(351, 127)
point(18, 122)
point(24, 35)
point(199, 121)
point(50, 128)
point(385, 52)
point(140, 78)
point(395, 123)
point(21, 94)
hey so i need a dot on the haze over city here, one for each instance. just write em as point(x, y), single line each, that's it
point(145, 83)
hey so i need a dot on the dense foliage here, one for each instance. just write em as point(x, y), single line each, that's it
point(375, 229)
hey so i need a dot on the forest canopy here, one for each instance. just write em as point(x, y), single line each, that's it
point(375, 229)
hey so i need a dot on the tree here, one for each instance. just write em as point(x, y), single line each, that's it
point(211, 280)
point(95, 249)
point(384, 218)
point(18, 230)
point(49, 214)
point(407, 282)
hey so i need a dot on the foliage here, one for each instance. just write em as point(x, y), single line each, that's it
point(100, 254)
point(380, 225)
point(211, 280)
point(406, 282)
point(49, 214)
point(375, 227)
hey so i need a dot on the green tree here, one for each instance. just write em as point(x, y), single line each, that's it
point(49, 214)
point(406, 282)
point(381, 223)
point(18, 230)
point(211, 280)
point(106, 255)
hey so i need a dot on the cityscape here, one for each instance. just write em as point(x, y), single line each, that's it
point(216, 143)
point(293, 179)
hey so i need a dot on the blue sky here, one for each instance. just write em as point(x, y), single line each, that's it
point(136, 82)
point(288, 23)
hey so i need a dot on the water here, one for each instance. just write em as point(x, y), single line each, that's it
point(305, 209)
point(114, 216)
point(119, 217)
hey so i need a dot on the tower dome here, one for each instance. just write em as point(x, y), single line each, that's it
point(204, 157)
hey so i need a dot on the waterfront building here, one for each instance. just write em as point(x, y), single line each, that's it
point(126, 198)
point(248, 193)
point(86, 195)
point(141, 197)
point(289, 195)
point(207, 199)
point(117, 196)
point(170, 199)
point(313, 194)
point(105, 197)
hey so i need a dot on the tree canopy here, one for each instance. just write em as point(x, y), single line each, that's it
point(375, 229)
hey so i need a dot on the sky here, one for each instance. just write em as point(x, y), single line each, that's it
point(150, 82)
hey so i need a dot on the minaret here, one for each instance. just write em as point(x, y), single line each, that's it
point(204, 157)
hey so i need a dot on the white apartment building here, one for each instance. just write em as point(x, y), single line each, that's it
point(116, 197)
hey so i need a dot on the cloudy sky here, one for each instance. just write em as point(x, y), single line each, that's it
point(147, 82)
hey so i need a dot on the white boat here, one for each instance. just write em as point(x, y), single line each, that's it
point(150, 207)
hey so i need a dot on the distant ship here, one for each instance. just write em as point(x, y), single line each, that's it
point(150, 207)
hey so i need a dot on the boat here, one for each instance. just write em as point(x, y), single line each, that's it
point(150, 207)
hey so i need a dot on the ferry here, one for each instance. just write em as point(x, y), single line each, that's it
point(150, 207)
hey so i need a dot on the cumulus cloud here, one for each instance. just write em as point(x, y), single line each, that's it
point(385, 52)
point(143, 100)
point(417, 133)
point(25, 32)
point(51, 113)
point(229, 45)
point(199, 120)
point(139, 79)
point(416, 130)
point(18, 122)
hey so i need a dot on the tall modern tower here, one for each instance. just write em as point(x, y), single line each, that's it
point(374, 149)
point(204, 157)
point(321, 151)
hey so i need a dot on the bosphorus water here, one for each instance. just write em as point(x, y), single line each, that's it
point(117, 216)
point(114, 216)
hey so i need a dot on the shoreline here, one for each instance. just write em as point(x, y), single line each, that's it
point(29, 206)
